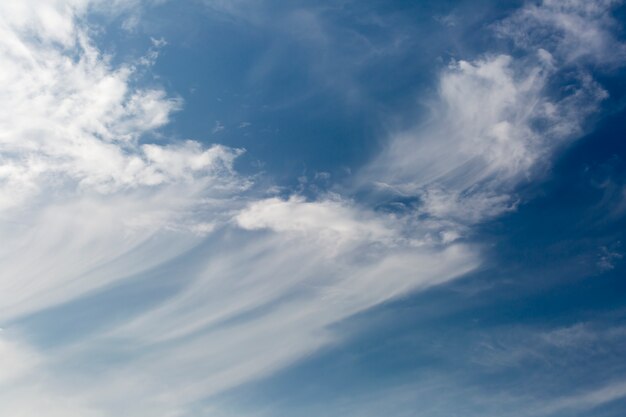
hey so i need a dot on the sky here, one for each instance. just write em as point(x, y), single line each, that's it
point(259, 208)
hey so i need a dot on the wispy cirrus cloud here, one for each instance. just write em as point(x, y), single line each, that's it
point(90, 199)
point(72, 117)
point(76, 176)
point(497, 120)
point(572, 30)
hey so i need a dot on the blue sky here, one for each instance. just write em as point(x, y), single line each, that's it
point(350, 208)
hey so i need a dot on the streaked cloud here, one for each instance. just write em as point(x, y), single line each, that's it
point(572, 30)
point(496, 121)
point(94, 195)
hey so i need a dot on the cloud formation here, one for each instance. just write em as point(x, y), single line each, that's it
point(91, 196)
point(497, 120)
point(79, 186)
point(572, 30)
point(69, 116)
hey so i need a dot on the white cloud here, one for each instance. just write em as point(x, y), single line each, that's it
point(573, 30)
point(492, 126)
point(587, 400)
point(24, 386)
point(71, 125)
point(16, 360)
point(80, 190)
point(607, 259)
point(218, 127)
point(262, 299)
point(68, 116)
point(497, 120)
point(330, 220)
point(88, 201)
point(79, 120)
point(552, 352)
